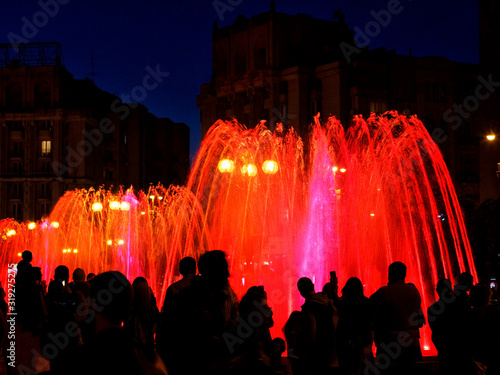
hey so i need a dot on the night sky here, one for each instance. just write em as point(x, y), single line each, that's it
point(128, 36)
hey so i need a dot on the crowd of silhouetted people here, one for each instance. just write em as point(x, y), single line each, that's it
point(103, 324)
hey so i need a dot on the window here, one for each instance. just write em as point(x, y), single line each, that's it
point(17, 190)
point(18, 167)
point(16, 211)
point(46, 148)
point(42, 94)
point(46, 167)
point(17, 151)
point(45, 208)
point(46, 125)
point(14, 94)
point(14, 125)
point(45, 190)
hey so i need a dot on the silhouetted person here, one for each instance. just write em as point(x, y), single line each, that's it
point(331, 288)
point(397, 317)
point(257, 348)
point(443, 326)
point(90, 276)
point(492, 338)
point(202, 317)
point(144, 315)
point(31, 315)
point(23, 268)
point(480, 298)
point(296, 345)
point(79, 284)
point(463, 331)
point(279, 364)
point(354, 335)
point(187, 268)
point(318, 355)
point(111, 351)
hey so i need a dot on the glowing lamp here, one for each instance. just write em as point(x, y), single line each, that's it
point(11, 232)
point(143, 213)
point(109, 242)
point(31, 225)
point(270, 167)
point(342, 170)
point(75, 251)
point(335, 168)
point(114, 205)
point(121, 242)
point(490, 137)
point(226, 166)
point(19, 254)
point(160, 198)
point(372, 214)
point(152, 197)
point(249, 170)
point(125, 206)
point(55, 224)
point(97, 207)
point(64, 251)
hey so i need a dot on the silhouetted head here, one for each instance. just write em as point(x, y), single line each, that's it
point(353, 288)
point(61, 273)
point(444, 288)
point(27, 256)
point(305, 287)
point(187, 266)
point(213, 266)
point(142, 296)
point(111, 293)
point(279, 346)
point(397, 272)
point(79, 275)
point(255, 301)
point(466, 279)
point(90, 276)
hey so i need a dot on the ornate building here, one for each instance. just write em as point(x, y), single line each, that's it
point(282, 68)
point(59, 133)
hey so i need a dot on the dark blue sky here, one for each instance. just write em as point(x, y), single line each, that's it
point(128, 36)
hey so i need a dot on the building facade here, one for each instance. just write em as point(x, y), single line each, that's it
point(59, 133)
point(282, 68)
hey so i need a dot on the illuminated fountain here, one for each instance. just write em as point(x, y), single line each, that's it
point(376, 193)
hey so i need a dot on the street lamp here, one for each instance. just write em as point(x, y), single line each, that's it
point(97, 207)
point(226, 166)
point(249, 170)
point(270, 167)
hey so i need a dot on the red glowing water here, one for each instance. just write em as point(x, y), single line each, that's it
point(376, 193)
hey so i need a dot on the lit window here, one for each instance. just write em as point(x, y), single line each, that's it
point(46, 148)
